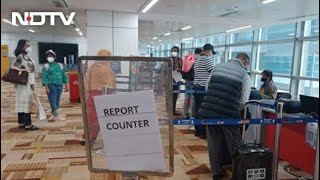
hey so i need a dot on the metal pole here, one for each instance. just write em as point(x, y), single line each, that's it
point(277, 143)
point(316, 163)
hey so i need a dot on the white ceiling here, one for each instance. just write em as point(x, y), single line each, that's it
point(206, 16)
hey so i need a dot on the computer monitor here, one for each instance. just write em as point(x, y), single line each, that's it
point(309, 104)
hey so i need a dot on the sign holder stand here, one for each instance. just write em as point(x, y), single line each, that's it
point(130, 175)
point(277, 143)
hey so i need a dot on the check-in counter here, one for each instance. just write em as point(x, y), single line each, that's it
point(293, 147)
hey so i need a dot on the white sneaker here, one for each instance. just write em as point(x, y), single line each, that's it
point(51, 118)
point(59, 118)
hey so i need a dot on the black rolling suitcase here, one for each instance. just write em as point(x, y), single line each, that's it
point(252, 161)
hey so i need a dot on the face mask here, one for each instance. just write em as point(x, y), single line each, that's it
point(263, 79)
point(174, 54)
point(50, 59)
point(29, 50)
point(246, 66)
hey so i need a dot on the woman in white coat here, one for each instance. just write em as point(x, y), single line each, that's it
point(24, 93)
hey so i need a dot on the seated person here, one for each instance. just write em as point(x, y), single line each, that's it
point(268, 89)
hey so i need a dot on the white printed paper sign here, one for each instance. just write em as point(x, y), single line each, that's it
point(130, 131)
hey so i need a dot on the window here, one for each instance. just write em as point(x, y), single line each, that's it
point(218, 39)
point(200, 42)
point(220, 56)
point(282, 84)
point(309, 88)
point(310, 59)
point(242, 37)
point(240, 49)
point(311, 28)
point(276, 57)
point(277, 32)
point(187, 44)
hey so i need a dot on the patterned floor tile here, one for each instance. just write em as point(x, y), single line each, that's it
point(55, 153)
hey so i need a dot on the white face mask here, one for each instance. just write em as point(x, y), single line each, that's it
point(50, 59)
point(28, 50)
point(174, 54)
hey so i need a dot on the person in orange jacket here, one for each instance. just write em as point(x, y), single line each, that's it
point(99, 75)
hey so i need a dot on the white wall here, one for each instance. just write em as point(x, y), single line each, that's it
point(12, 39)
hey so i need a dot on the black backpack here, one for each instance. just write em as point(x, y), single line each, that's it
point(189, 76)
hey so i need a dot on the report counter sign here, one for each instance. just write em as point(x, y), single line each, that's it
point(130, 131)
point(29, 18)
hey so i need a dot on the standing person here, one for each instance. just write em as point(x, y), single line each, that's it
point(268, 89)
point(99, 75)
point(228, 90)
point(202, 69)
point(188, 76)
point(24, 93)
point(53, 78)
point(176, 74)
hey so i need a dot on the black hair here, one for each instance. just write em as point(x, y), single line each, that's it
point(20, 47)
point(47, 54)
point(243, 56)
point(267, 73)
point(198, 51)
point(175, 47)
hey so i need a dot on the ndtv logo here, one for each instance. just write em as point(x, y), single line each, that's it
point(29, 18)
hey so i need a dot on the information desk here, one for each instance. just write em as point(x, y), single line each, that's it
point(293, 148)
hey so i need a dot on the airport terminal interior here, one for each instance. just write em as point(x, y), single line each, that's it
point(148, 51)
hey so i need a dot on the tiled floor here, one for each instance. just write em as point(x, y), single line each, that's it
point(54, 152)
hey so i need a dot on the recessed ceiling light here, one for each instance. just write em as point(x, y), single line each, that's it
point(9, 22)
point(152, 3)
point(240, 28)
point(185, 28)
point(151, 42)
point(159, 40)
point(267, 1)
point(155, 37)
point(187, 39)
point(31, 30)
point(77, 29)
point(80, 33)
point(167, 34)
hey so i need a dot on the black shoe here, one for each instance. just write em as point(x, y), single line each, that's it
point(22, 126)
point(83, 142)
point(31, 128)
point(187, 116)
point(203, 137)
point(176, 114)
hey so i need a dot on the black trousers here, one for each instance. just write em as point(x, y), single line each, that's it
point(223, 142)
point(175, 96)
point(24, 118)
point(200, 130)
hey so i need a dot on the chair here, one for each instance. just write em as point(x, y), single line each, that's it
point(283, 95)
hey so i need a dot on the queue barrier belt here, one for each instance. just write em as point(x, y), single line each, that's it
point(244, 121)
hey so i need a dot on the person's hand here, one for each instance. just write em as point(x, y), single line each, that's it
point(33, 87)
point(47, 90)
point(66, 88)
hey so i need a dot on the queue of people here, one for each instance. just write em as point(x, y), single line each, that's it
point(228, 87)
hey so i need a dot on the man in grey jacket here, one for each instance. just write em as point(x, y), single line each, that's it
point(228, 89)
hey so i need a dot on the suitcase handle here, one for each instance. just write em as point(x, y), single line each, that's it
point(252, 145)
point(252, 102)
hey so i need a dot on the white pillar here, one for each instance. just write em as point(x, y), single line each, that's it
point(114, 31)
